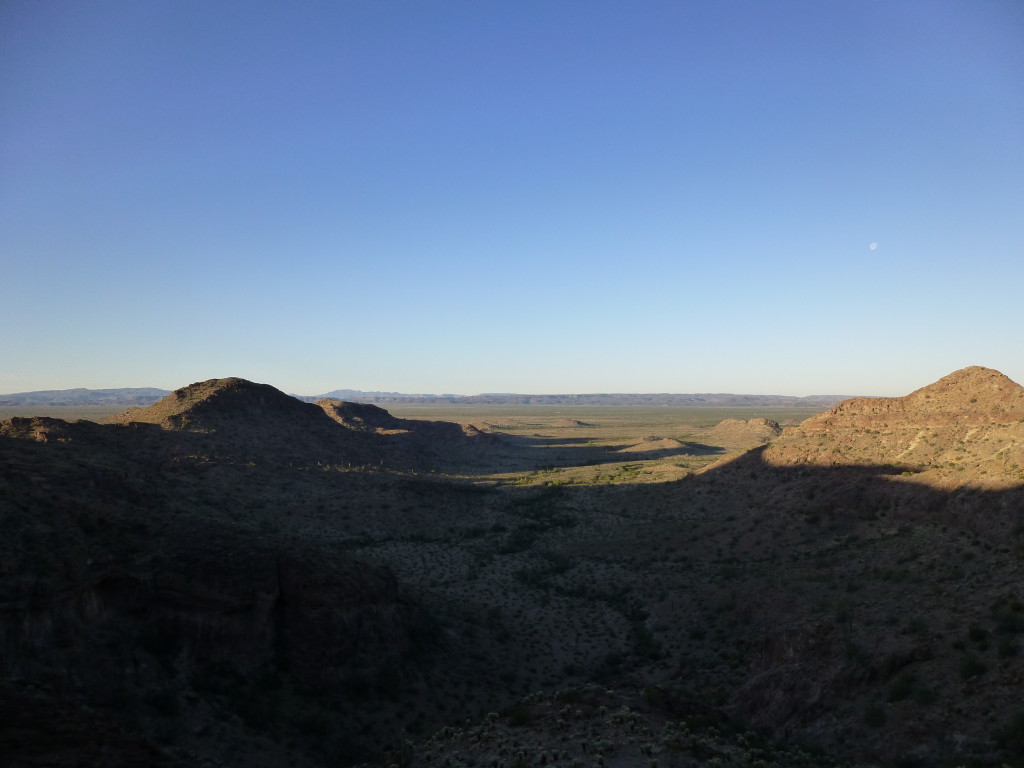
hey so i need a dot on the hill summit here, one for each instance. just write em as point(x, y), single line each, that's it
point(965, 428)
point(974, 395)
point(240, 418)
point(249, 421)
point(215, 402)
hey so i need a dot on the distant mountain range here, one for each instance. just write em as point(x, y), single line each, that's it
point(616, 398)
point(142, 396)
point(80, 396)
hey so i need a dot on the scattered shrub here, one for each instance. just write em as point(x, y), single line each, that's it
point(874, 716)
point(1010, 737)
point(520, 716)
point(902, 687)
point(971, 666)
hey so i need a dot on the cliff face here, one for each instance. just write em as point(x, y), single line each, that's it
point(175, 644)
point(225, 600)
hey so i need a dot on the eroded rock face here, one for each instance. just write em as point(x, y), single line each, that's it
point(225, 600)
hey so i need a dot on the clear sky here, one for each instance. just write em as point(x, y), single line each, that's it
point(511, 195)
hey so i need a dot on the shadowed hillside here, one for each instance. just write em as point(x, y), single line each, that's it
point(852, 598)
point(238, 418)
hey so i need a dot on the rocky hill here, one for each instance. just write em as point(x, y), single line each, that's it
point(207, 405)
point(241, 419)
point(965, 429)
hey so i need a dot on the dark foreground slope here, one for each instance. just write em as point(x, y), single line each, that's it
point(128, 587)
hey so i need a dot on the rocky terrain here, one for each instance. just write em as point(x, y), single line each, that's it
point(232, 576)
point(745, 434)
point(965, 429)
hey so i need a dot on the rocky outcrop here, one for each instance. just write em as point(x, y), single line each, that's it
point(361, 416)
point(364, 417)
point(745, 434)
point(413, 443)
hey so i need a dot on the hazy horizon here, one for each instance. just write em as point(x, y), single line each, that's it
point(444, 394)
point(531, 197)
point(802, 392)
point(498, 393)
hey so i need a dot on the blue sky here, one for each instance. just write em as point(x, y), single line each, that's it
point(552, 196)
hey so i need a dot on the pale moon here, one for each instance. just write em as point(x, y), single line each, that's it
point(873, 246)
